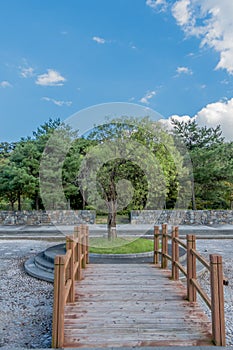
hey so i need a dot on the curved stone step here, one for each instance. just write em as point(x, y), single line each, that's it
point(37, 272)
point(51, 252)
point(41, 266)
point(42, 263)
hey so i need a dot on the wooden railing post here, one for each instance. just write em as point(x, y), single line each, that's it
point(83, 232)
point(217, 300)
point(87, 244)
point(156, 245)
point(70, 273)
point(58, 306)
point(79, 254)
point(68, 268)
point(76, 255)
point(191, 268)
point(175, 253)
point(164, 246)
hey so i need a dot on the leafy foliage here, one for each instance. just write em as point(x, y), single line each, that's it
point(212, 162)
point(124, 182)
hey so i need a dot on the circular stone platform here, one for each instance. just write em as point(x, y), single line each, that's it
point(42, 265)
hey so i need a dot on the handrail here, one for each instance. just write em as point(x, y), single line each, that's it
point(67, 270)
point(217, 279)
point(201, 259)
point(181, 268)
point(180, 242)
point(202, 293)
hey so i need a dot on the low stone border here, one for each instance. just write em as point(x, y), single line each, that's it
point(135, 255)
point(43, 271)
point(120, 256)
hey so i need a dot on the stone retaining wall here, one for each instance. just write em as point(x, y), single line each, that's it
point(75, 217)
point(182, 217)
point(55, 217)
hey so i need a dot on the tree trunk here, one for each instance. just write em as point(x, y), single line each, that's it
point(37, 202)
point(83, 200)
point(12, 205)
point(19, 201)
point(112, 220)
point(194, 207)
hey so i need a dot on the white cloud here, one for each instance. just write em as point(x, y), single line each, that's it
point(218, 113)
point(149, 95)
point(181, 12)
point(51, 78)
point(213, 114)
point(5, 84)
point(157, 4)
point(26, 72)
point(211, 21)
point(184, 70)
point(57, 102)
point(167, 123)
point(99, 40)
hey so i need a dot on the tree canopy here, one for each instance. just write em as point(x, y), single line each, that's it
point(121, 165)
point(212, 162)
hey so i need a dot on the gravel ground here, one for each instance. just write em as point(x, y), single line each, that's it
point(26, 303)
point(225, 248)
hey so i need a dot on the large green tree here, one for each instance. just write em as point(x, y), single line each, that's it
point(20, 163)
point(134, 165)
point(26, 158)
point(74, 157)
point(15, 182)
point(211, 161)
point(59, 162)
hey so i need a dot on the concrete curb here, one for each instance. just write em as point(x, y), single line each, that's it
point(35, 238)
point(122, 256)
point(47, 236)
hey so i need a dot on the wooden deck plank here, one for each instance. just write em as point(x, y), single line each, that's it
point(133, 305)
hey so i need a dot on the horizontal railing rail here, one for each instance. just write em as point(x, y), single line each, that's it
point(67, 270)
point(215, 267)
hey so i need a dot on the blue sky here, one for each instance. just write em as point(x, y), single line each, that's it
point(58, 57)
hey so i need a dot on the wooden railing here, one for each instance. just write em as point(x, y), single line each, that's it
point(217, 280)
point(67, 270)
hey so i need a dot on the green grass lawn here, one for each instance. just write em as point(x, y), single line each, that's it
point(120, 245)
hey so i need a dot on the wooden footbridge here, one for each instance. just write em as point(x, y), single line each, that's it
point(133, 305)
